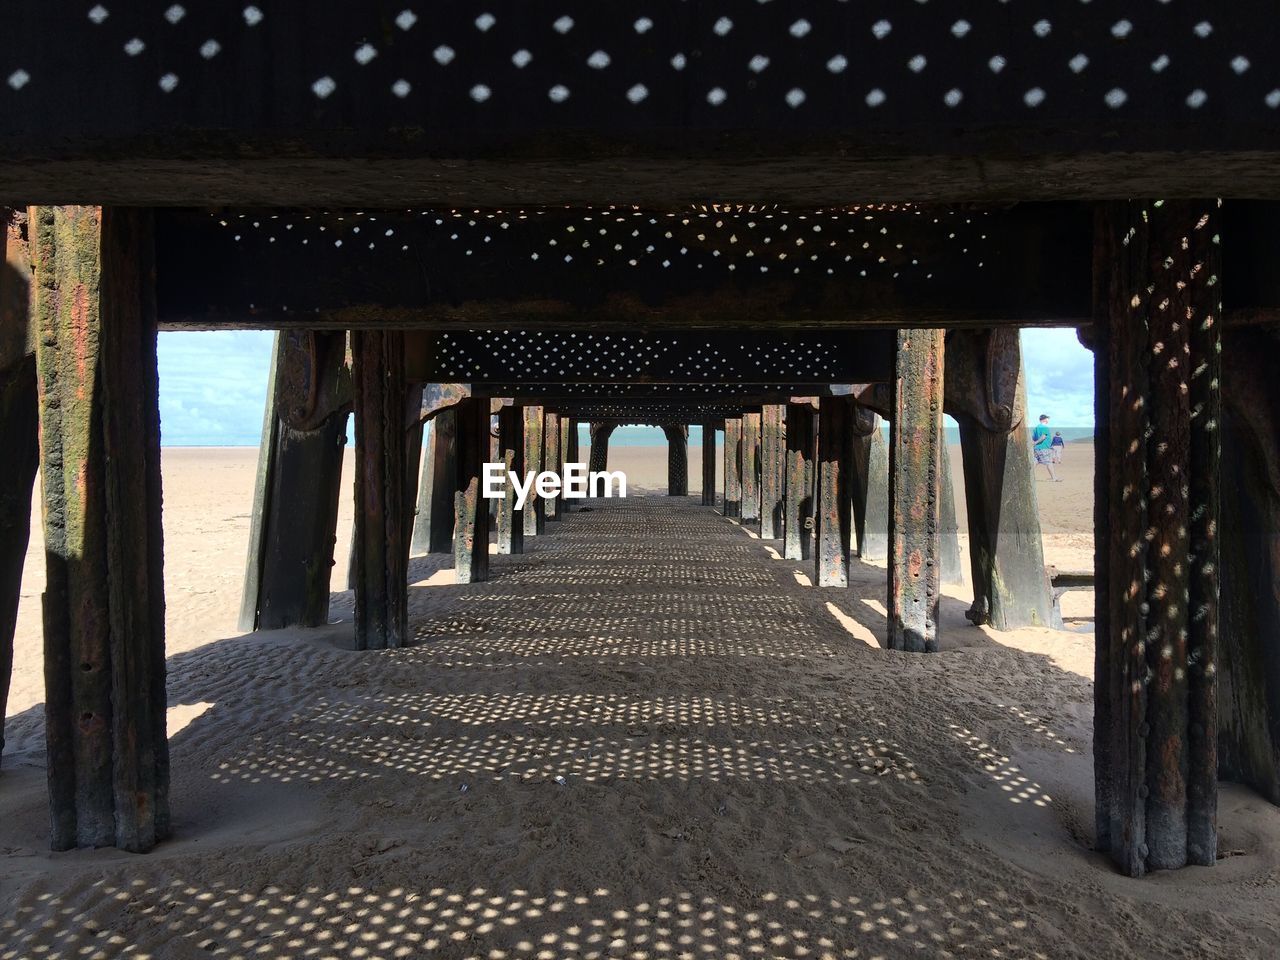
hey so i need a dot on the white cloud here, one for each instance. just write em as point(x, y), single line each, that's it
point(1059, 376)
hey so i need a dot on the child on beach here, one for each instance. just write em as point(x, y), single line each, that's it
point(1056, 446)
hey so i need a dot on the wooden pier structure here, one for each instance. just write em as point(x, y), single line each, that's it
point(789, 224)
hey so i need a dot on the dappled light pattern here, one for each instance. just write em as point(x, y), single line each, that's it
point(574, 762)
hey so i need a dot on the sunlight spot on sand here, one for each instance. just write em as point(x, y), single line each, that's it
point(856, 629)
point(771, 551)
point(876, 605)
point(184, 714)
point(438, 578)
point(802, 578)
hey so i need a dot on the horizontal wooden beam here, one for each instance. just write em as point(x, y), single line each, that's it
point(802, 102)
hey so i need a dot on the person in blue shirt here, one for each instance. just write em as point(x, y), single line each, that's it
point(1042, 446)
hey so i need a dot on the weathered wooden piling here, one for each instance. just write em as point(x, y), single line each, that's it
point(915, 475)
point(798, 509)
point(708, 463)
point(677, 459)
point(19, 419)
point(1249, 646)
point(298, 487)
point(94, 313)
point(510, 521)
point(870, 459)
point(732, 467)
point(1157, 352)
point(833, 510)
point(599, 453)
point(433, 522)
point(553, 462)
point(471, 509)
point(773, 469)
point(535, 520)
point(751, 424)
point(566, 435)
point(382, 527)
point(951, 567)
point(986, 394)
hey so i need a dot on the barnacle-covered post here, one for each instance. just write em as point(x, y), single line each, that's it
point(433, 523)
point(382, 522)
point(470, 508)
point(708, 463)
point(19, 417)
point(751, 466)
point(535, 421)
point(677, 459)
point(733, 467)
point(986, 394)
point(553, 461)
point(1157, 376)
point(915, 475)
point(798, 515)
point(773, 469)
point(509, 525)
point(94, 313)
point(834, 498)
point(299, 480)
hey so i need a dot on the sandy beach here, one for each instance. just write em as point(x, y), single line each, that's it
point(647, 737)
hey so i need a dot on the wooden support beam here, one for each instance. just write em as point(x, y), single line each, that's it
point(986, 393)
point(599, 455)
point(433, 519)
point(773, 469)
point(553, 461)
point(19, 419)
point(751, 425)
point(677, 460)
point(535, 422)
point(470, 508)
point(798, 512)
point(1158, 372)
point(832, 512)
point(870, 458)
point(379, 391)
point(94, 309)
point(732, 467)
point(566, 434)
point(510, 521)
point(951, 567)
point(709, 463)
point(915, 476)
point(295, 507)
point(1249, 657)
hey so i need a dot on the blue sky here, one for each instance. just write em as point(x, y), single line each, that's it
point(213, 385)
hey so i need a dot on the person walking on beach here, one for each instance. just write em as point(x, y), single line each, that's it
point(1042, 446)
point(1056, 446)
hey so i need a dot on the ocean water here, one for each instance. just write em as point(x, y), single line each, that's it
point(653, 437)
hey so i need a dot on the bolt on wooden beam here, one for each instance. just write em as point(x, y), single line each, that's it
point(1157, 368)
point(510, 521)
point(798, 512)
point(709, 463)
point(94, 309)
point(382, 555)
point(915, 476)
point(732, 467)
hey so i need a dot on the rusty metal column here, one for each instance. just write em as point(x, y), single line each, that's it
point(708, 464)
point(382, 599)
point(751, 466)
point(832, 511)
point(470, 508)
point(914, 495)
point(870, 485)
point(1157, 374)
point(773, 469)
point(535, 520)
point(19, 420)
point(552, 462)
point(677, 460)
point(733, 467)
point(798, 515)
point(510, 521)
point(94, 311)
